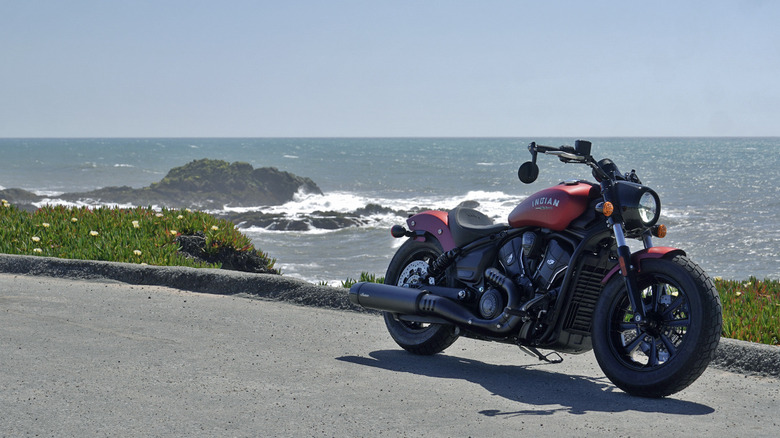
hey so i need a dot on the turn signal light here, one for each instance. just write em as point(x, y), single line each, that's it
point(659, 231)
point(398, 231)
point(605, 208)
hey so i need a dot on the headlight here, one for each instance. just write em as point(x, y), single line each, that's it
point(640, 206)
point(647, 208)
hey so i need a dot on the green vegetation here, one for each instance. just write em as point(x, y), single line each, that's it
point(135, 235)
point(364, 276)
point(751, 309)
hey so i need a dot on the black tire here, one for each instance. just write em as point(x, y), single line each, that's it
point(682, 332)
point(408, 267)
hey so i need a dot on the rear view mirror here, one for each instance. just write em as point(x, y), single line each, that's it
point(528, 172)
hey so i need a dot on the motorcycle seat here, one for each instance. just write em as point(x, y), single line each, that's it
point(467, 225)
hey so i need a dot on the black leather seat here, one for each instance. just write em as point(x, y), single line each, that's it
point(468, 225)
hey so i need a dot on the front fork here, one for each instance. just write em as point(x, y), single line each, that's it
point(628, 271)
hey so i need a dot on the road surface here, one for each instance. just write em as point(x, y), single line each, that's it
point(100, 358)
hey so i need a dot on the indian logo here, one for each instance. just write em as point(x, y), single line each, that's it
point(544, 203)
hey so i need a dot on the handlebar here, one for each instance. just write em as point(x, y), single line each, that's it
point(580, 153)
point(567, 154)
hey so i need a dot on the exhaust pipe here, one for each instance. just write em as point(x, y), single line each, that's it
point(410, 301)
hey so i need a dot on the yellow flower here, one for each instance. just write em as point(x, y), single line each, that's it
point(159, 215)
point(74, 220)
point(136, 224)
point(174, 232)
point(45, 225)
point(214, 228)
point(37, 250)
point(188, 210)
point(36, 239)
point(5, 203)
point(93, 233)
point(137, 252)
point(179, 217)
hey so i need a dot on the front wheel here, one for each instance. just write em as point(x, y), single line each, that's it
point(409, 268)
point(672, 346)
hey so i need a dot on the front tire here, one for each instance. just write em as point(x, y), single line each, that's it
point(409, 268)
point(673, 346)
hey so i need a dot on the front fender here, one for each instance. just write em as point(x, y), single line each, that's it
point(655, 252)
point(435, 223)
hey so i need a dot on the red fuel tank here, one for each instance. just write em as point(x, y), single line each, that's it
point(553, 208)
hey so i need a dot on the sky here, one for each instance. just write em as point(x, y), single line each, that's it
point(374, 68)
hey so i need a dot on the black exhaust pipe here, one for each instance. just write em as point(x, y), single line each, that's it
point(386, 297)
point(410, 301)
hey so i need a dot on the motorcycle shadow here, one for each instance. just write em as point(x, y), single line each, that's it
point(535, 384)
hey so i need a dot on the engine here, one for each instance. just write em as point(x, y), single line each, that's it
point(531, 264)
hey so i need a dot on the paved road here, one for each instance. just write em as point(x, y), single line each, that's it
point(97, 358)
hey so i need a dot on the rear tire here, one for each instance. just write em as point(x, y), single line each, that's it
point(409, 268)
point(677, 340)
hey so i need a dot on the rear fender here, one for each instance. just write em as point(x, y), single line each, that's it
point(655, 252)
point(435, 223)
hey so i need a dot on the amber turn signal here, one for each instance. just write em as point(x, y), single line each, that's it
point(605, 208)
point(659, 231)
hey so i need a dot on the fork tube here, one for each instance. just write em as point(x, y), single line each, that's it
point(628, 272)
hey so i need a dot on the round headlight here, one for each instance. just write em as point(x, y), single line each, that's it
point(648, 208)
point(640, 206)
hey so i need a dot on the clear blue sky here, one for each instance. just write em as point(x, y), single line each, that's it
point(110, 68)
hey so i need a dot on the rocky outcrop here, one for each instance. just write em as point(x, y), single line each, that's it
point(323, 220)
point(208, 184)
point(194, 247)
point(22, 199)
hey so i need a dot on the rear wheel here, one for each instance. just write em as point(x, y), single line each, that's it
point(409, 268)
point(672, 346)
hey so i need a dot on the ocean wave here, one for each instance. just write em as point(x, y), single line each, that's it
point(123, 165)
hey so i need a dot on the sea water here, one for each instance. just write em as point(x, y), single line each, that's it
point(720, 196)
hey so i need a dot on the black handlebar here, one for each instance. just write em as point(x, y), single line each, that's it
point(580, 153)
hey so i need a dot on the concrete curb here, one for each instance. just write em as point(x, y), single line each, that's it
point(732, 355)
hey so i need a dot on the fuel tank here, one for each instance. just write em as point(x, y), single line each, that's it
point(555, 207)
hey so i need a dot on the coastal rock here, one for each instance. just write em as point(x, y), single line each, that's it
point(194, 246)
point(22, 199)
point(323, 220)
point(209, 184)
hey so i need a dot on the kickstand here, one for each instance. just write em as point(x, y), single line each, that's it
point(531, 351)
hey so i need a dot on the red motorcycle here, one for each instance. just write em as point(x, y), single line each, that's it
point(559, 276)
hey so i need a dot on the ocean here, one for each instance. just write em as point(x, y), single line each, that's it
point(720, 196)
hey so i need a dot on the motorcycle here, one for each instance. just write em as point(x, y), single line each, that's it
point(558, 276)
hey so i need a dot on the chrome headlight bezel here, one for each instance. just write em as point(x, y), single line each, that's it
point(640, 206)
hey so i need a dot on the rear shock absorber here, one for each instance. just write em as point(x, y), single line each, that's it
point(438, 266)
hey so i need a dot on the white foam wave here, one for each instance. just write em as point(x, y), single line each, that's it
point(495, 204)
point(123, 165)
